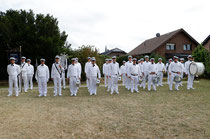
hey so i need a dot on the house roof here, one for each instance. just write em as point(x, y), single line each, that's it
point(115, 50)
point(148, 46)
point(206, 40)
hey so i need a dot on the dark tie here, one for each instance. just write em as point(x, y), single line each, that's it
point(12, 64)
point(42, 64)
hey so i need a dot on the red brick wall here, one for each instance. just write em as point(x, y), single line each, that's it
point(179, 40)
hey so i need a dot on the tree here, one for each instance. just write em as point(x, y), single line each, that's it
point(39, 35)
point(200, 54)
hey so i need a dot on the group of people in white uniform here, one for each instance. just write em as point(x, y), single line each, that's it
point(133, 73)
point(136, 73)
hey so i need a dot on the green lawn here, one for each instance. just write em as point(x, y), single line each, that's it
point(162, 114)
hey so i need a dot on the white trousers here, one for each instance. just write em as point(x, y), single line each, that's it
point(57, 84)
point(64, 79)
point(172, 81)
point(123, 79)
point(145, 78)
point(13, 81)
point(88, 83)
point(168, 78)
point(182, 75)
point(24, 80)
point(114, 84)
point(42, 85)
point(128, 83)
point(30, 81)
point(73, 85)
point(134, 83)
point(105, 80)
point(160, 74)
point(109, 83)
point(150, 78)
point(93, 86)
point(190, 81)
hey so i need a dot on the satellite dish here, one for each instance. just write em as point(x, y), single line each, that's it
point(157, 34)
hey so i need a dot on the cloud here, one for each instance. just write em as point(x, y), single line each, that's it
point(120, 23)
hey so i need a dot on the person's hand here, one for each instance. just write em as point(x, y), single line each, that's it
point(143, 73)
point(60, 66)
point(178, 73)
point(169, 73)
point(52, 78)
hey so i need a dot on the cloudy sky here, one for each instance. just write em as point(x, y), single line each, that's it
point(120, 23)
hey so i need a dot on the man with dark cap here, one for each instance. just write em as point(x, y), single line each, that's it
point(23, 74)
point(152, 70)
point(134, 74)
point(93, 75)
point(13, 71)
point(161, 70)
point(73, 75)
point(190, 76)
point(167, 66)
point(56, 75)
point(123, 72)
point(30, 74)
point(175, 69)
point(127, 65)
point(145, 71)
point(87, 64)
point(42, 76)
point(114, 72)
point(105, 72)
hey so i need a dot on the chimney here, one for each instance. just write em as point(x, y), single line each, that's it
point(157, 34)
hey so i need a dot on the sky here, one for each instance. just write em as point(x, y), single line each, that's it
point(120, 23)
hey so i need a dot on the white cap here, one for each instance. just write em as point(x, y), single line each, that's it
point(57, 57)
point(42, 59)
point(23, 57)
point(11, 58)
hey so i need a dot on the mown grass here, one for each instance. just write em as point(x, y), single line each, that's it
point(161, 114)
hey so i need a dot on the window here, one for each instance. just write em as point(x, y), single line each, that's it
point(170, 46)
point(187, 47)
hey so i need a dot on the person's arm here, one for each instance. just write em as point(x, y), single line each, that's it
point(48, 74)
point(99, 73)
point(36, 74)
point(78, 73)
point(8, 70)
point(68, 72)
point(52, 71)
point(32, 69)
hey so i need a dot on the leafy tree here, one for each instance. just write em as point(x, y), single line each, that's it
point(39, 35)
point(200, 54)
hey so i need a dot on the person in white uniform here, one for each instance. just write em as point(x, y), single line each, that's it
point(167, 66)
point(134, 74)
point(73, 75)
point(87, 64)
point(23, 75)
point(128, 80)
point(109, 75)
point(145, 71)
point(189, 75)
point(175, 69)
point(152, 70)
point(105, 72)
point(161, 70)
point(183, 70)
point(13, 71)
point(56, 76)
point(30, 74)
point(42, 76)
point(141, 61)
point(93, 75)
point(114, 71)
point(123, 72)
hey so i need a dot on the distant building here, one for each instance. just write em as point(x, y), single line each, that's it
point(114, 52)
point(206, 43)
point(177, 42)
